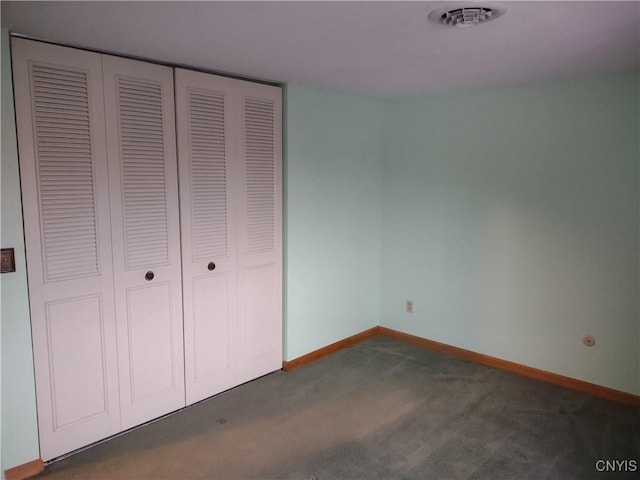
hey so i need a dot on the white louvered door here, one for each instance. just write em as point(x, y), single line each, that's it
point(60, 121)
point(203, 113)
point(145, 236)
point(112, 252)
point(259, 124)
point(229, 155)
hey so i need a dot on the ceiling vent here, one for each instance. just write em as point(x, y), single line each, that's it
point(466, 14)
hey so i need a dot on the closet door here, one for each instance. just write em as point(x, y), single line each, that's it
point(60, 120)
point(259, 123)
point(203, 110)
point(145, 236)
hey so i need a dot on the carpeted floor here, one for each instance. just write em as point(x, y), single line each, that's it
point(379, 410)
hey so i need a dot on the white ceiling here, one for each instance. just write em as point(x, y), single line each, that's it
point(381, 49)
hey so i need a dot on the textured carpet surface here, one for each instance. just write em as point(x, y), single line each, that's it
point(381, 409)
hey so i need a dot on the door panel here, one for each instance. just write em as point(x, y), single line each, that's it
point(150, 335)
point(262, 334)
point(258, 110)
point(207, 176)
point(212, 326)
point(60, 122)
point(78, 368)
point(145, 237)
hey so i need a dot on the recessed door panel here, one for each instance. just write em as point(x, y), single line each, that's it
point(151, 352)
point(260, 334)
point(77, 354)
point(212, 327)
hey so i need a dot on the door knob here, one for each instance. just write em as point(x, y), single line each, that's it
point(149, 275)
point(211, 266)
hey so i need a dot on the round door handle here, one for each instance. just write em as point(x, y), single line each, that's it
point(149, 275)
point(211, 266)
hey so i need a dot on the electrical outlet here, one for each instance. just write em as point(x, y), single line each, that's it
point(409, 306)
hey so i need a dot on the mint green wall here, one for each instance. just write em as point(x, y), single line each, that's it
point(333, 168)
point(19, 427)
point(510, 218)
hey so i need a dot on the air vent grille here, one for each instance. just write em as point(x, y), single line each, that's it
point(466, 14)
point(464, 17)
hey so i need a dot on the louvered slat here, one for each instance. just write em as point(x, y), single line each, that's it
point(143, 173)
point(65, 172)
point(259, 175)
point(208, 174)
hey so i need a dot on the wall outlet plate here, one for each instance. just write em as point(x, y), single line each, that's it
point(409, 306)
point(7, 261)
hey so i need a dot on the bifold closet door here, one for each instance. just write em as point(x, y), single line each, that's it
point(229, 154)
point(99, 178)
point(203, 113)
point(145, 228)
point(258, 114)
point(63, 167)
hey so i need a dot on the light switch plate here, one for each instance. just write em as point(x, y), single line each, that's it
point(7, 261)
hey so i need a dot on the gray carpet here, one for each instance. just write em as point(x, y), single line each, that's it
point(382, 409)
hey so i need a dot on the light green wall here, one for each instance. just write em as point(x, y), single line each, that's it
point(511, 219)
point(333, 175)
point(19, 427)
